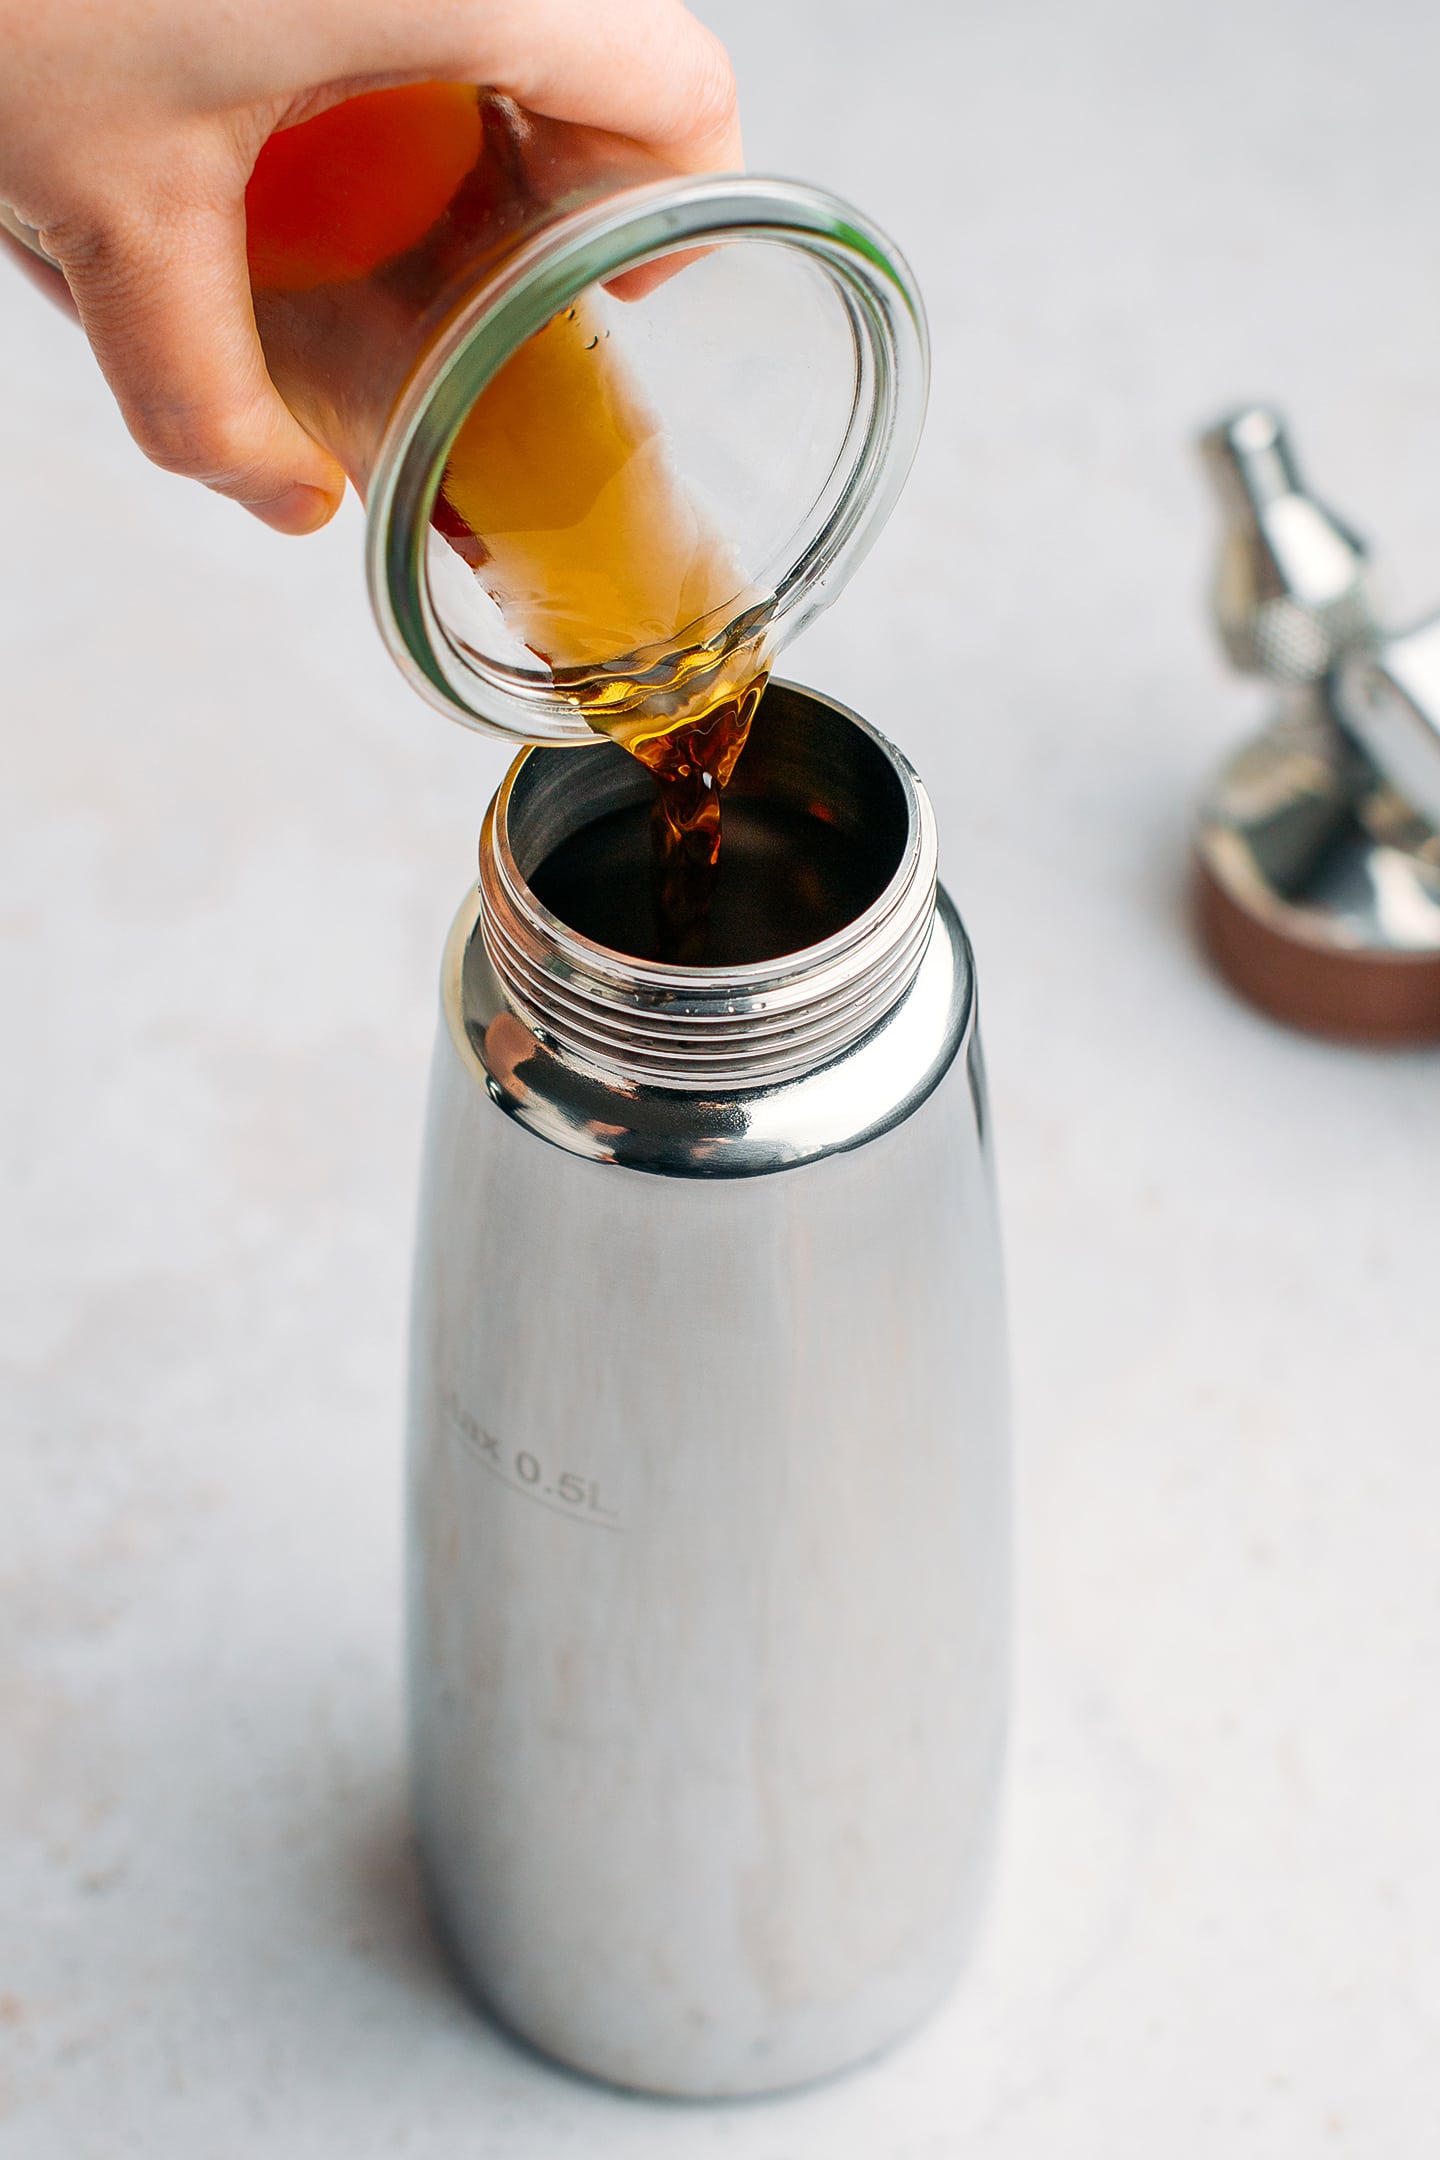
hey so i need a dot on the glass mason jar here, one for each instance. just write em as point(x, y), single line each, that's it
point(620, 433)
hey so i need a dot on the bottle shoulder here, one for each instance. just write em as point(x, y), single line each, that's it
point(869, 1089)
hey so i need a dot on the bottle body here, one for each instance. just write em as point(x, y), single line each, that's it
point(708, 1539)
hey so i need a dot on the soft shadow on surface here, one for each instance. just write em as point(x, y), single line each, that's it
point(393, 1928)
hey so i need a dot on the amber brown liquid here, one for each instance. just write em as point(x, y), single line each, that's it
point(559, 491)
point(692, 764)
point(560, 494)
point(788, 879)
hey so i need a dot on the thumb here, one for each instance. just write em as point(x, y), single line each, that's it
point(164, 294)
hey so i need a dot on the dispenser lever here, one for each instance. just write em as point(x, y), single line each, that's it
point(1387, 697)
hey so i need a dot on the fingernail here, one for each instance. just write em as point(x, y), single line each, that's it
point(298, 510)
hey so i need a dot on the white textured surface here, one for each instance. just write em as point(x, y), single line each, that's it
point(231, 846)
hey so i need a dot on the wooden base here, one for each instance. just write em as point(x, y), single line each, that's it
point(1351, 996)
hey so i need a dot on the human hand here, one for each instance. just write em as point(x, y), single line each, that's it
point(128, 132)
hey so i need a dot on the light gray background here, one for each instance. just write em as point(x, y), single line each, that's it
point(231, 847)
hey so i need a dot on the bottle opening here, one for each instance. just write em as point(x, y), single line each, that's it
point(821, 924)
point(815, 829)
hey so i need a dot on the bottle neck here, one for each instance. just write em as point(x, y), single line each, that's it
point(751, 1023)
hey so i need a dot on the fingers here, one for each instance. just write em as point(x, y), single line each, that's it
point(163, 294)
point(642, 68)
point(158, 270)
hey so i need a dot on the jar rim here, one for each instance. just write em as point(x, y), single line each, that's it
point(593, 246)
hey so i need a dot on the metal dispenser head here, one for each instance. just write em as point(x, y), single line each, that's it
point(1318, 853)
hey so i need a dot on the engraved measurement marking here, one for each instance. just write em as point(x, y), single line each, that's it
point(565, 1492)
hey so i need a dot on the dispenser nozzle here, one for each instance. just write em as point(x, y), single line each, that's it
point(1293, 586)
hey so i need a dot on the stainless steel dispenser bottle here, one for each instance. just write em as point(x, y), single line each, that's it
point(708, 1514)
